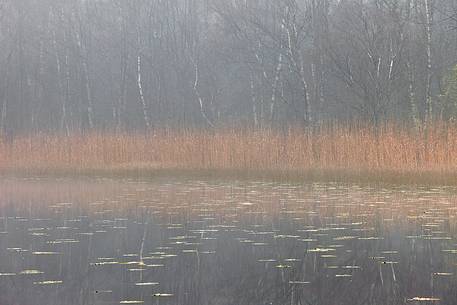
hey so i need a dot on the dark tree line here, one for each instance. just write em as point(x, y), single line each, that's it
point(77, 65)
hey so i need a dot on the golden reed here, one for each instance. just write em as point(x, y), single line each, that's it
point(355, 148)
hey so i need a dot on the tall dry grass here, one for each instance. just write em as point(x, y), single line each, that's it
point(353, 148)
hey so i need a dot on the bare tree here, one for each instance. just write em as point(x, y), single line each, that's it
point(112, 64)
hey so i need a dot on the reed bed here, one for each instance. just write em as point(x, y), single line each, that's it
point(351, 148)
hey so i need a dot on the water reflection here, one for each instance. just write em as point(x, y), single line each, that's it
point(100, 241)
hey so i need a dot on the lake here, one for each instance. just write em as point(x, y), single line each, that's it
point(179, 241)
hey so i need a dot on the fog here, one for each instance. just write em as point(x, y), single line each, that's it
point(73, 66)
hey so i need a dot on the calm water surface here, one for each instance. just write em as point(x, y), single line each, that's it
point(101, 241)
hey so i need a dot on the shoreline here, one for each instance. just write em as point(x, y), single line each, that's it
point(372, 177)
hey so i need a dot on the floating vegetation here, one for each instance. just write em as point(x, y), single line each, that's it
point(136, 269)
point(443, 274)
point(208, 252)
point(298, 283)
point(18, 250)
point(31, 272)
point(351, 267)
point(328, 256)
point(341, 238)
point(424, 299)
point(155, 265)
point(63, 241)
point(104, 263)
point(321, 250)
point(162, 295)
point(46, 253)
point(267, 260)
point(48, 283)
point(292, 260)
point(283, 266)
point(146, 284)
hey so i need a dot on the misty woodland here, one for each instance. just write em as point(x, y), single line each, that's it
point(228, 152)
point(72, 66)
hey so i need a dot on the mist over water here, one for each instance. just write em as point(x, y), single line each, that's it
point(102, 241)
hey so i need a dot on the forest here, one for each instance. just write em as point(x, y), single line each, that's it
point(74, 66)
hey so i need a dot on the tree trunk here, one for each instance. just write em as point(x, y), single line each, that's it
point(428, 38)
point(199, 97)
point(275, 88)
point(83, 54)
point(147, 121)
point(64, 121)
point(253, 100)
